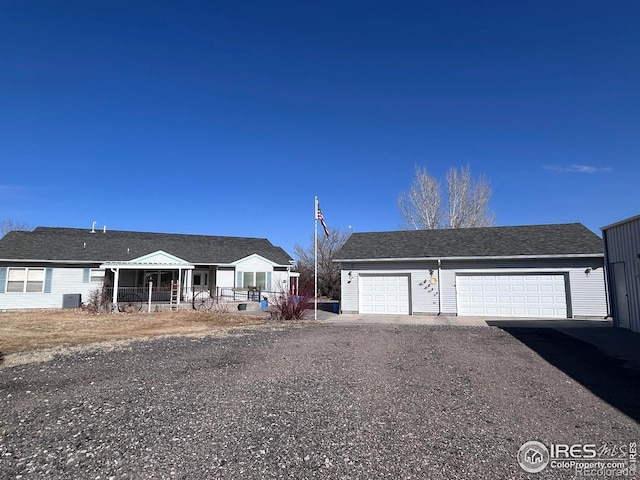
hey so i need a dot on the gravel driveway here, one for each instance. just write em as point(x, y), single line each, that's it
point(313, 401)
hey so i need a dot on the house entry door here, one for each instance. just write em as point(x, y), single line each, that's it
point(200, 280)
point(621, 295)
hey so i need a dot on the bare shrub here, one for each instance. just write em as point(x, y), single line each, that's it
point(290, 307)
point(98, 302)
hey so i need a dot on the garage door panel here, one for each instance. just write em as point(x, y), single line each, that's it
point(384, 294)
point(512, 295)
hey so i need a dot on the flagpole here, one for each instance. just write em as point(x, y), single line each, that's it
point(315, 256)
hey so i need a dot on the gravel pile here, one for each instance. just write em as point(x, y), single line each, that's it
point(318, 401)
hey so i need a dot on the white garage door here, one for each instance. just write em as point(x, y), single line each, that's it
point(384, 294)
point(512, 295)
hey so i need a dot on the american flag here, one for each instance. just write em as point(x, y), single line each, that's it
point(320, 217)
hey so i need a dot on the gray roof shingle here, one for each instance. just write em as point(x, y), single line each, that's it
point(532, 240)
point(73, 244)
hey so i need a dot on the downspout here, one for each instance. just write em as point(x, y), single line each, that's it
point(116, 275)
point(439, 287)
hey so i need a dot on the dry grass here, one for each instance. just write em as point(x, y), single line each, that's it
point(26, 333)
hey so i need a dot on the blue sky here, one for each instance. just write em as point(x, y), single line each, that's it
point(227, 118)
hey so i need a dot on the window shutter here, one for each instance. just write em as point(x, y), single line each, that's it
point(3, 278)
point(239, 281)
point(268, 286)
point(48, 274)
point(85, 275)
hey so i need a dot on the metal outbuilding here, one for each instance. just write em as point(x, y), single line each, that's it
point(622, 260)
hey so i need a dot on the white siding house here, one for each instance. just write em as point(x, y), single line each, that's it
point(622, 257)
point(58, 281)
point(543, 271)
point(55, 267)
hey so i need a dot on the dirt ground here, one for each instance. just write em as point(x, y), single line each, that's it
point(319, 401)
point(25, 333)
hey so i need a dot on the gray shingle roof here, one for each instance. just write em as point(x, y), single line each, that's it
point(73, 244)
point(532, 240)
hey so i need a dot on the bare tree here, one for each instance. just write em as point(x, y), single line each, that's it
point(421, 208)
point(328, 271)
point(468, 199)
point(466, 204)
point(9, 225)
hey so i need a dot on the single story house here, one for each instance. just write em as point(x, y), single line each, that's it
point(49, 266)
point(541, 271)
point(622, 258)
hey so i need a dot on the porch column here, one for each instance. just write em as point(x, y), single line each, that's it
point(187, 283)
point(179, 286)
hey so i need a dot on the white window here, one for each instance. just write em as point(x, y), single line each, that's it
point(254, 279)
point(25, 280)
point(248, 280)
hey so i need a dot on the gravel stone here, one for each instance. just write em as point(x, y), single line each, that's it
point(317, 401)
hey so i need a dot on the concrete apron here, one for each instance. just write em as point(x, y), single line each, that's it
point(617, 342)
point(358, 319)
point(558, 324)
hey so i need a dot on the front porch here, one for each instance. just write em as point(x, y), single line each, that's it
point(140, 298)
point(159, 279)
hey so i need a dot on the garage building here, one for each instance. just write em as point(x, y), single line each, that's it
point(622, 257)
point(534, 271)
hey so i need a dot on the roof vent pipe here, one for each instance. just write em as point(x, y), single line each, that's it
point(93, 227)
point(104, 229)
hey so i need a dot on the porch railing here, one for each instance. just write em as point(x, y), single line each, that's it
point(158, 294)
point(134, 296)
